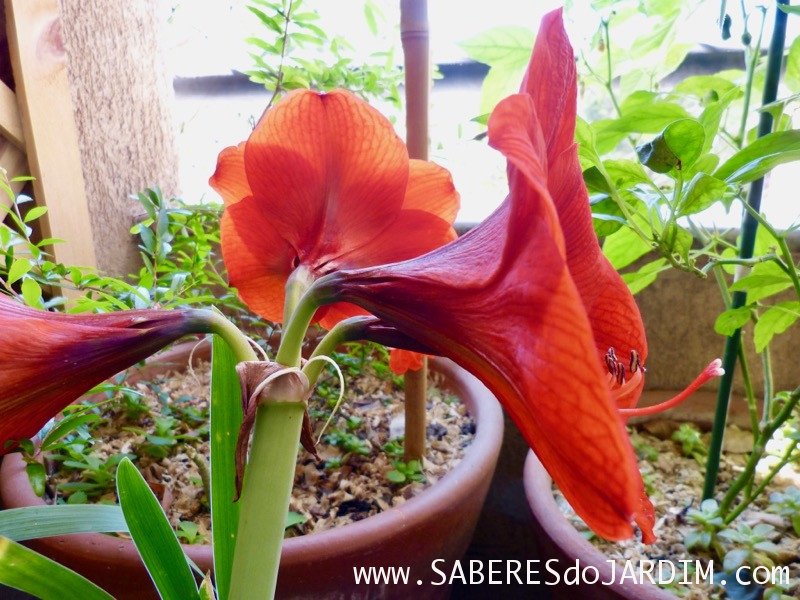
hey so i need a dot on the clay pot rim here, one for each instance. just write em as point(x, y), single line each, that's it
point(478, 460)
point(538, 490)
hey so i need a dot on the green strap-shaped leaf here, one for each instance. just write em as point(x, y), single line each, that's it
point(25, 570)
point(226, 418)
point(154, 538)
point(33, 522)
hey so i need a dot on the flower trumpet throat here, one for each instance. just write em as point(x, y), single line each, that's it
point(50, 359)
point(528, 291)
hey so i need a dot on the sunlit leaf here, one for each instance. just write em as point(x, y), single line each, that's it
point(775, 320)
point(760, 157)
point(35, 574)
point(677, 147)
point(731, 320)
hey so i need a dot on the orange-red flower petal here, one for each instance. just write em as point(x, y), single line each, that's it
point(335, 165)
point(430, 188)
point(230, 177)
point(503, 303)
point(550, 82)
point(258, 259)
point(325, 183)
point(402, 361)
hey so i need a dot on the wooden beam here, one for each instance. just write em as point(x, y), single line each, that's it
point(38, 60)
point(10, 124)
point(15, 163)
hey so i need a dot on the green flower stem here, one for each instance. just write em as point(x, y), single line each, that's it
point(265, 498)
point(347, 330)
point(210, 321)
point(758, 451)
point(749, 227)
point(298, 283)
point(750, 394)
point(609, 72)
point(289, 352)
point(270, 470)
point(747, 262)
point(752, 409)
point(785, 261)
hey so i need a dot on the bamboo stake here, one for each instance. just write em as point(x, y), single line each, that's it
point(414, 33)
point(749, 227)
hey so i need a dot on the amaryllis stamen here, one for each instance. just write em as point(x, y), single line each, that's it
point(714, 369)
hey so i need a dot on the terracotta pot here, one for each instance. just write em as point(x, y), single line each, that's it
point(561, 542)
point(438, 523)
point(562, 547)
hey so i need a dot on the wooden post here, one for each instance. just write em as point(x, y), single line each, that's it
point(40, 75)
point(122, 95)
point(414, 34)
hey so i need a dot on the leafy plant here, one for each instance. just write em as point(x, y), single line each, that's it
point(295, 50)
point(753, 545)
point(691, 441)
point(347, 441)
point(97, 473)
point(642, 448)
point(787, 504)
point(394, 447)
point(710, 521)
point(189, 532)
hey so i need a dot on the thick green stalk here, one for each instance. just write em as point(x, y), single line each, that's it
point(290, 350)
point(270, 469)
point(749, 226)
point(297, 285)
point(265, 498)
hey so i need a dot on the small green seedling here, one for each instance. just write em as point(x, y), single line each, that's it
point(406, 472)
point(691, 442)
point(642, 448)
point(189, 532)
point(349, 442)
point(394, 447)
point(97, 475)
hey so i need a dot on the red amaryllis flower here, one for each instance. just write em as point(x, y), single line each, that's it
point(323, 183)
point(48, 360)
point(528, 303)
